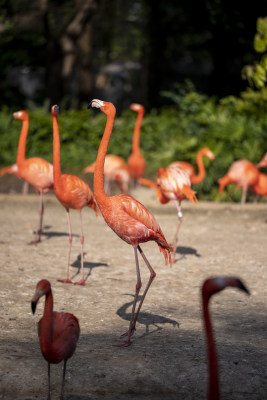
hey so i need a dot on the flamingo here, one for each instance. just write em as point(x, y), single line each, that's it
point(153, 185)
point(209, 288)
point(128, 218)
point(58, 331)
point(260, 187)
point(175, 184)
point(201, 169)
point(115, 169)
point(36, 171)
point(13, 169)
point(71, 192)
point(244, 174)
point(263, 161)
point(136, 162)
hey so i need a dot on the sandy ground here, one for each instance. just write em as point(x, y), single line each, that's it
point(167, 358)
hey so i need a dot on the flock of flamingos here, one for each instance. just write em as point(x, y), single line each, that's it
point(128, 218)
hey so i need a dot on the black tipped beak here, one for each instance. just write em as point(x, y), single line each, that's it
point(34, 304)
point(89, 105)
point(243, 287)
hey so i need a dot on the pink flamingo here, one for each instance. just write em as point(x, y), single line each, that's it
point(58, 332)
point(36, 171)
point(128, 218)
point(136, 162)
point(196, 178)
point(71, 191)
point(209, 288)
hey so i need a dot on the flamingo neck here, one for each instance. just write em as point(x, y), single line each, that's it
point(201, 169)
point(99, 190)
point(136, 133)
point(22, 142)
point(46, 327)
point(56, 151)
point(212, 356)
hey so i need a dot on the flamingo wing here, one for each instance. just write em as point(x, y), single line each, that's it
point(73, 192)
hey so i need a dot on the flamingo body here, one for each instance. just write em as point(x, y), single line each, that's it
point(58, 331)
point(260, 187)
point(160, 196)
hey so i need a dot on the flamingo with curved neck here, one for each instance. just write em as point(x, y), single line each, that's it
point(209, 288)
point(136, 162)
point(128, 218)
point(58, 331)
point(36, 171)
point(72, 192)
point(196, 178)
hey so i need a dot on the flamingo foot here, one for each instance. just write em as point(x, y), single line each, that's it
point(35, 242)
point(124, 344)
point(126, 333)
point(67, 280)
point(81, 282)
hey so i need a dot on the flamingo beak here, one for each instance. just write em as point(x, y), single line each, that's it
point(35, 299)
point(34, 304)
point(243, 287)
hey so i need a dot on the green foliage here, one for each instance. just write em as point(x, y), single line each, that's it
point(233, 128)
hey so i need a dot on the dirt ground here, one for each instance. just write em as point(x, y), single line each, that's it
point(167, 358)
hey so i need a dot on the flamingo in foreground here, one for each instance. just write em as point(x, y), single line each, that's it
point(195, 178)
point(128, 218)
point(244, 174)
point(71, 191)
point(115, 169)
point(136, 162)
point(58, 332)
point(36, 171)
point(209, 288)
point(175, 185)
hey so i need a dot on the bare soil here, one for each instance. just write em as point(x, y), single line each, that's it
point(167, 358)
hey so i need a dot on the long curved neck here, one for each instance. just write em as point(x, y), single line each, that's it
point(99, 190)
point(22, 142)
point(201, 169)
point(212, 356)
point(46, 332)
point(136, 133)
point(56, 151)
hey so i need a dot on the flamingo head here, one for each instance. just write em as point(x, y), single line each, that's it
point(21, 115)
point(208, 153)
point(137, 107)
point(43, 287)
point(106, 107)
point(216, 284)
point(55, 110)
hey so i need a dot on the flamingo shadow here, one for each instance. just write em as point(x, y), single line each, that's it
point(50, 234)
point(144, 318)
point(89, 265)
point(184, 251)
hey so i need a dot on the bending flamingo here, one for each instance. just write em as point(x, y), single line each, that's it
point(209, 288)
point(175, 185)
point(136, 162)
point(71, 191)
point(244, 174)
point(128, 218)
point(13, 169)
point(36, 171)
point(115, 169)
point(58, 332)
point(195, 178)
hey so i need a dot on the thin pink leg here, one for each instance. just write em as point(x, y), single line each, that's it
point(82, 281)
point(180, 220)
point(134, 316)
point(38, 233)
point(67, 280)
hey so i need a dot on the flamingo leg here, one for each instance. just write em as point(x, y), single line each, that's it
point(180, 220)
point(63, 380)
point(67, 280)
point(40, 221)
point(244, 195)
point(82, 281)
point(151, 278)
point(49, 387)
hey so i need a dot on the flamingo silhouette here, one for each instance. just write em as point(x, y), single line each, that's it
point(244, 174)
point(71, 191)
point(36, 171)
point(196, 178)
point(175, 185)
point(128, 218)
point(115, 169)
point(58, 331)
point(136, 162)
point(209, 288)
